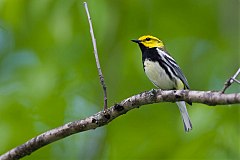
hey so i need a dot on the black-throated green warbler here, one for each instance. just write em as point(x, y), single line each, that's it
point(163, 71)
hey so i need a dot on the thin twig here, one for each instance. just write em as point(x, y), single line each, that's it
point(104, 117)
point(231, 80)
point(96, 57)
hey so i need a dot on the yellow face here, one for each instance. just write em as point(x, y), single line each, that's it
point(150, 41)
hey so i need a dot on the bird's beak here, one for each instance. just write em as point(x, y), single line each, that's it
point(136, 40)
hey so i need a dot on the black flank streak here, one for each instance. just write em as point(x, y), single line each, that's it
point(152, 54)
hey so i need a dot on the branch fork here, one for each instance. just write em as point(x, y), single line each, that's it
point(108, 114)
point(96, 56)
point(230, 81)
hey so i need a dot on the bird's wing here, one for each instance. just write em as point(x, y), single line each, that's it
point(181, 76)
point(173, 64)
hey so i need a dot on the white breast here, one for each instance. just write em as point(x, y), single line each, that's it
point(157, 75)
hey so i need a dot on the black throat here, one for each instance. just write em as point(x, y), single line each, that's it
point(149, 53)
point(152, 54)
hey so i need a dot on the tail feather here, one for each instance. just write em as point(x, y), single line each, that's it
point(185, 117)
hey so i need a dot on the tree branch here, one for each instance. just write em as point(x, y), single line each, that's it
point(230, 81)
point(104, 117)
point(96, 57)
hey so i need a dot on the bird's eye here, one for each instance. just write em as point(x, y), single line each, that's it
point(148, 39)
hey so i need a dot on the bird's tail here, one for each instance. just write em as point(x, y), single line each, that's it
point(185, 117)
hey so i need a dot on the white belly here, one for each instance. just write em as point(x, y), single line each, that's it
point(157, 75)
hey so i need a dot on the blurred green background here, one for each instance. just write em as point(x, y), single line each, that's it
point(48, 76)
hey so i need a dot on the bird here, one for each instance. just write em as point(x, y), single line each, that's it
point(163, 71)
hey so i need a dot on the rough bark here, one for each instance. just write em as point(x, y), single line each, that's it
point(104, 117)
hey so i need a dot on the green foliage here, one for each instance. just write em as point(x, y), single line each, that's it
point(48, 76)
